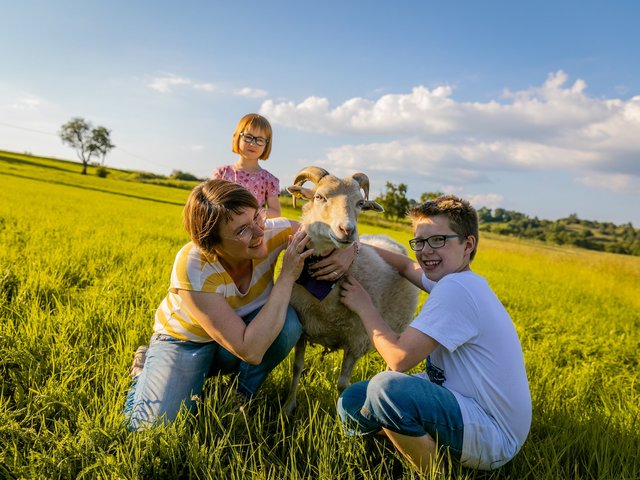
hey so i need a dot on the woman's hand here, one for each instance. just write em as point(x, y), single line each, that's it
point(335, 265)
point(295, 255)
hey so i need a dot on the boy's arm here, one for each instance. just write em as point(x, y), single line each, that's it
point(400, 352)
point(403, 264)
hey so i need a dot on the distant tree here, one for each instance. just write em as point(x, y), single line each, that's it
point(180, 175)
point(77, 134)
point(101, 142)
point(484, 215)
point(430, 196)
point(394, 200)
point(88, 141)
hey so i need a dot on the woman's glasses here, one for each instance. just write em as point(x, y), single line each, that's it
point(258, 141)
point(434, 241)
point(246, 231)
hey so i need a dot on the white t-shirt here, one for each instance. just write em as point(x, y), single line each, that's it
point(479, 359)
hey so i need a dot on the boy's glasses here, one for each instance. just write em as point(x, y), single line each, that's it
point(434, 241)
point(246, 232)
point(258, 141)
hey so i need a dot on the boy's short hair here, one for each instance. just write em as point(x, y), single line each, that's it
point(463, 218)
point(210, 204)
point(246, 123)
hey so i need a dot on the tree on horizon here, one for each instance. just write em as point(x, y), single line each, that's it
point(87, 141)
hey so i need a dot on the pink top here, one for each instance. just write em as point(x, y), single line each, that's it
point(261, 183)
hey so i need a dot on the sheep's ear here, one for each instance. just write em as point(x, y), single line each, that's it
point(297, 191)
point(371, 205)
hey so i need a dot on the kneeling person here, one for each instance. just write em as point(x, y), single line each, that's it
point(474, 397)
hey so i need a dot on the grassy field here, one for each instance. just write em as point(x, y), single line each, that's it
point(84, 262)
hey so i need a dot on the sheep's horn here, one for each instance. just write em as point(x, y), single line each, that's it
point(363, 181)
point(313, 174)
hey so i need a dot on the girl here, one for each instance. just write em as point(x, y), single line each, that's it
point(252, 141)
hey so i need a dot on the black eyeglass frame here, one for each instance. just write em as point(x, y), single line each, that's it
point(247, 137)
point(417, 244)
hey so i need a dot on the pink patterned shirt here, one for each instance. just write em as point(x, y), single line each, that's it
point(261, 183)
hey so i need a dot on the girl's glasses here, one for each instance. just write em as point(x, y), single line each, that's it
point(258, 141)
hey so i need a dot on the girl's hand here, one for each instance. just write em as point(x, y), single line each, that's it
point(295, 255)
point(335, 265)
point(354, 296)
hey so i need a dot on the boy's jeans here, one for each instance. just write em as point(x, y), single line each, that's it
point(175, 370)
point(405, 404)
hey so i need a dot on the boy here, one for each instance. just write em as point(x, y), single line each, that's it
point(474, 396)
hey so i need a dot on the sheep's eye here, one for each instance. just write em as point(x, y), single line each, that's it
point(319, 198)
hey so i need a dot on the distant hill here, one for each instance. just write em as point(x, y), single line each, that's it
point(602, 236)
point(588, 234)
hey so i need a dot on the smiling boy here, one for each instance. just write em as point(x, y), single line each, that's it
point(474, 397)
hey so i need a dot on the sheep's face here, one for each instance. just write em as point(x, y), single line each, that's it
point(331, 213)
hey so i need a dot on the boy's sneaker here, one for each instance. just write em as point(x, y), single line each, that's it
point(138, 360)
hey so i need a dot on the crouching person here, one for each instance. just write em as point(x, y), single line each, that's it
point(222, 313)
point(474, 397)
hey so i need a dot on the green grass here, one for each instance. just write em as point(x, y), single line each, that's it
point(84, 262)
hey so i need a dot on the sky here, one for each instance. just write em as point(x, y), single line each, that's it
point(528, 106)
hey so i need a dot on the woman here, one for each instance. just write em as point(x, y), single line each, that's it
point(223, 313)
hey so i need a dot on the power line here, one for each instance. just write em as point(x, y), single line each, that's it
point(28, 129)
point(17, 127)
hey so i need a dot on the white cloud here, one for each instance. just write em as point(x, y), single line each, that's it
point(207, 87)
point(489, 200)
point(612, 181)
point(195, 148)
point(250, 92)
point(27, 103)
point(556, 125)
point(166, 84)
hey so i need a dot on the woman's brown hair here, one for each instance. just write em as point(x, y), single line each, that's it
point(209, 205)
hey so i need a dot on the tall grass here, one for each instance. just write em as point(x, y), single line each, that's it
point(84, 262)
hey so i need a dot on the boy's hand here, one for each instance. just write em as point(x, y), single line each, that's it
point(354, 296)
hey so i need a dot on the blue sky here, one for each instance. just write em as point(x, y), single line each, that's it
point(528, 106)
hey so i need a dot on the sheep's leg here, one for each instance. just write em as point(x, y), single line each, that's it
point(349, 360)
point(298, 365)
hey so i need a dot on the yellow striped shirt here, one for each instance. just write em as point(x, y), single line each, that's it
point(191, 271)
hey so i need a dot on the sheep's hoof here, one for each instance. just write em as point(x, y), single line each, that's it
point(290, 407)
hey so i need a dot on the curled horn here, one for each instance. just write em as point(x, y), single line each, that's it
point(363, 181)
point(313, 174)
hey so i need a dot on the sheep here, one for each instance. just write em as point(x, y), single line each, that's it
point(330, 218)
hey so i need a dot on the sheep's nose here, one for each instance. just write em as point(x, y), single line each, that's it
point(347, 230)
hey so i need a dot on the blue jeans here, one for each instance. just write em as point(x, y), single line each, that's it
point(404, 404)
point(175, 370)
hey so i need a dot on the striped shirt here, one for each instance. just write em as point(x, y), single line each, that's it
point(192, 271)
